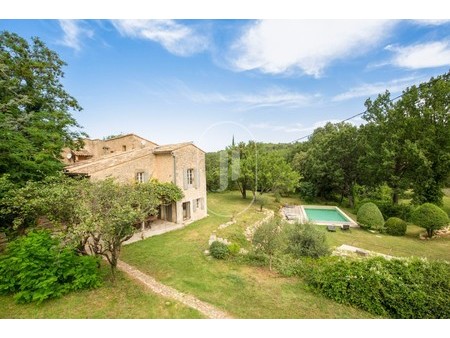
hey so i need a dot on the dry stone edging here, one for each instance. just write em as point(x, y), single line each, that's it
point(206, 309)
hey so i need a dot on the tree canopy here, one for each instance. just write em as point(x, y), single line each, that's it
point(35, 109)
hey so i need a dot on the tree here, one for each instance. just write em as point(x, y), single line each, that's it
point(35, 110)
point(408, 141)
point(268, 240)
point(430, 217)
point(98, 216)
point(108, 213)
point(245, 171)
point(330, 161)
point(275, 174)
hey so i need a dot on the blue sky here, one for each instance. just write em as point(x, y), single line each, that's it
point(206, 80)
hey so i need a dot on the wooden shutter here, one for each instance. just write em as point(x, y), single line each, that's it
point(194, 205)
point(185, 179)
point(202, 203)
point(196, 179)
point(145, 177)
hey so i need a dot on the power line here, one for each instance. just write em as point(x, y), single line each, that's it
point(350, 118)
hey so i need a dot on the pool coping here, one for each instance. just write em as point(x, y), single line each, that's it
point(304, 216)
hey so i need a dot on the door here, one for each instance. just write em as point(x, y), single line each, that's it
point(186, 210)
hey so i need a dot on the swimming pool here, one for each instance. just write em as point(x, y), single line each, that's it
point(325, 215)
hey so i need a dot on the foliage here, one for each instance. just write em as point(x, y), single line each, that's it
point(35, 110)
point(307, 191)
point(234, 249)
point(330, 162)
point(430, 217)
point(395, 226)
point(268, 239)
point(370, 217)
point(408, 140)
point(262, 201)
point(275, 174)
point(305, 240)
point(402, 211)
point(219, 250)
point(277, 196)
point(397, 288)
point(37, 267)
point(99, 215)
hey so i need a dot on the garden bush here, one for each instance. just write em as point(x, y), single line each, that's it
point(430, 217)
point(36, 267)
point(305, 240)
point(402, 211)
point(398, 288)
point(234, 249)
point(277, 196)
point(370, 217)
point(307, 191)
point(395, 226)
point(219, 250)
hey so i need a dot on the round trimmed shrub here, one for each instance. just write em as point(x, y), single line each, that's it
point(219, 250)
point(395, 226)
point(370, 217)
point(430, 217)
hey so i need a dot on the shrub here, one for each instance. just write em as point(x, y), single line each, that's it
point(430, 217)
point(402, 211)
point(219, 250)
point(262, 202)
point(307, 191)
point(234, 249)
point(398, 288)
point(370, 217)
point(395, 226)
point(36, 267)
point(305, 240)
point(277, 196)
point(268, 240)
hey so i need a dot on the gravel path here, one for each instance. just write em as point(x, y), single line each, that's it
point(206, 309)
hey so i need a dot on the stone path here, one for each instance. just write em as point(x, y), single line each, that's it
point(206, 309)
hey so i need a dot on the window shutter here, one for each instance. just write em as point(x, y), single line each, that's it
point(202, 203)
point(145, 177)
point(194, 205)
point(185, 179)
point(196, 179)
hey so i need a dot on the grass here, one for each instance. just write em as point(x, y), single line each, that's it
point(123, 300)
point(177, 259)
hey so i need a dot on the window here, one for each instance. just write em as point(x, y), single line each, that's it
point(124, 148)
point(198, 202)
point(190, 176)
point(140, 177)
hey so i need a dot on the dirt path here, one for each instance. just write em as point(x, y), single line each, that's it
point(206, 309)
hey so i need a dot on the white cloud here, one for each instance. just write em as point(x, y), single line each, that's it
point(431, 22)
point(274, 97)
point(73, 33)
point(176, 38)
point(425, 55)
point(369, 89)
point(283, 46)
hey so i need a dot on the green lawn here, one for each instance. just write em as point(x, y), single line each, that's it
point(125, 299)
point(177, 259)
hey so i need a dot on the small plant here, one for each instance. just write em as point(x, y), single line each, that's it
point(370, 217)
point(36, 267)
point(305, 240)
point(430, 217)
point(219, 250)
point(277, 197)
point(262, 202)
point(395, 226)
point(234, 249)
point(268, 239)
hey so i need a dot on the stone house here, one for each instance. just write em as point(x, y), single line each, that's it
point(130, 158)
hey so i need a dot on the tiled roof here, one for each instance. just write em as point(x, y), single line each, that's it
point(82, 152)
point(170, 147)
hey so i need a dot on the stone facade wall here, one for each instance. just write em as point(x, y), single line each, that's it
point(164, 171)
point(126, 172)
point(190, 157)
